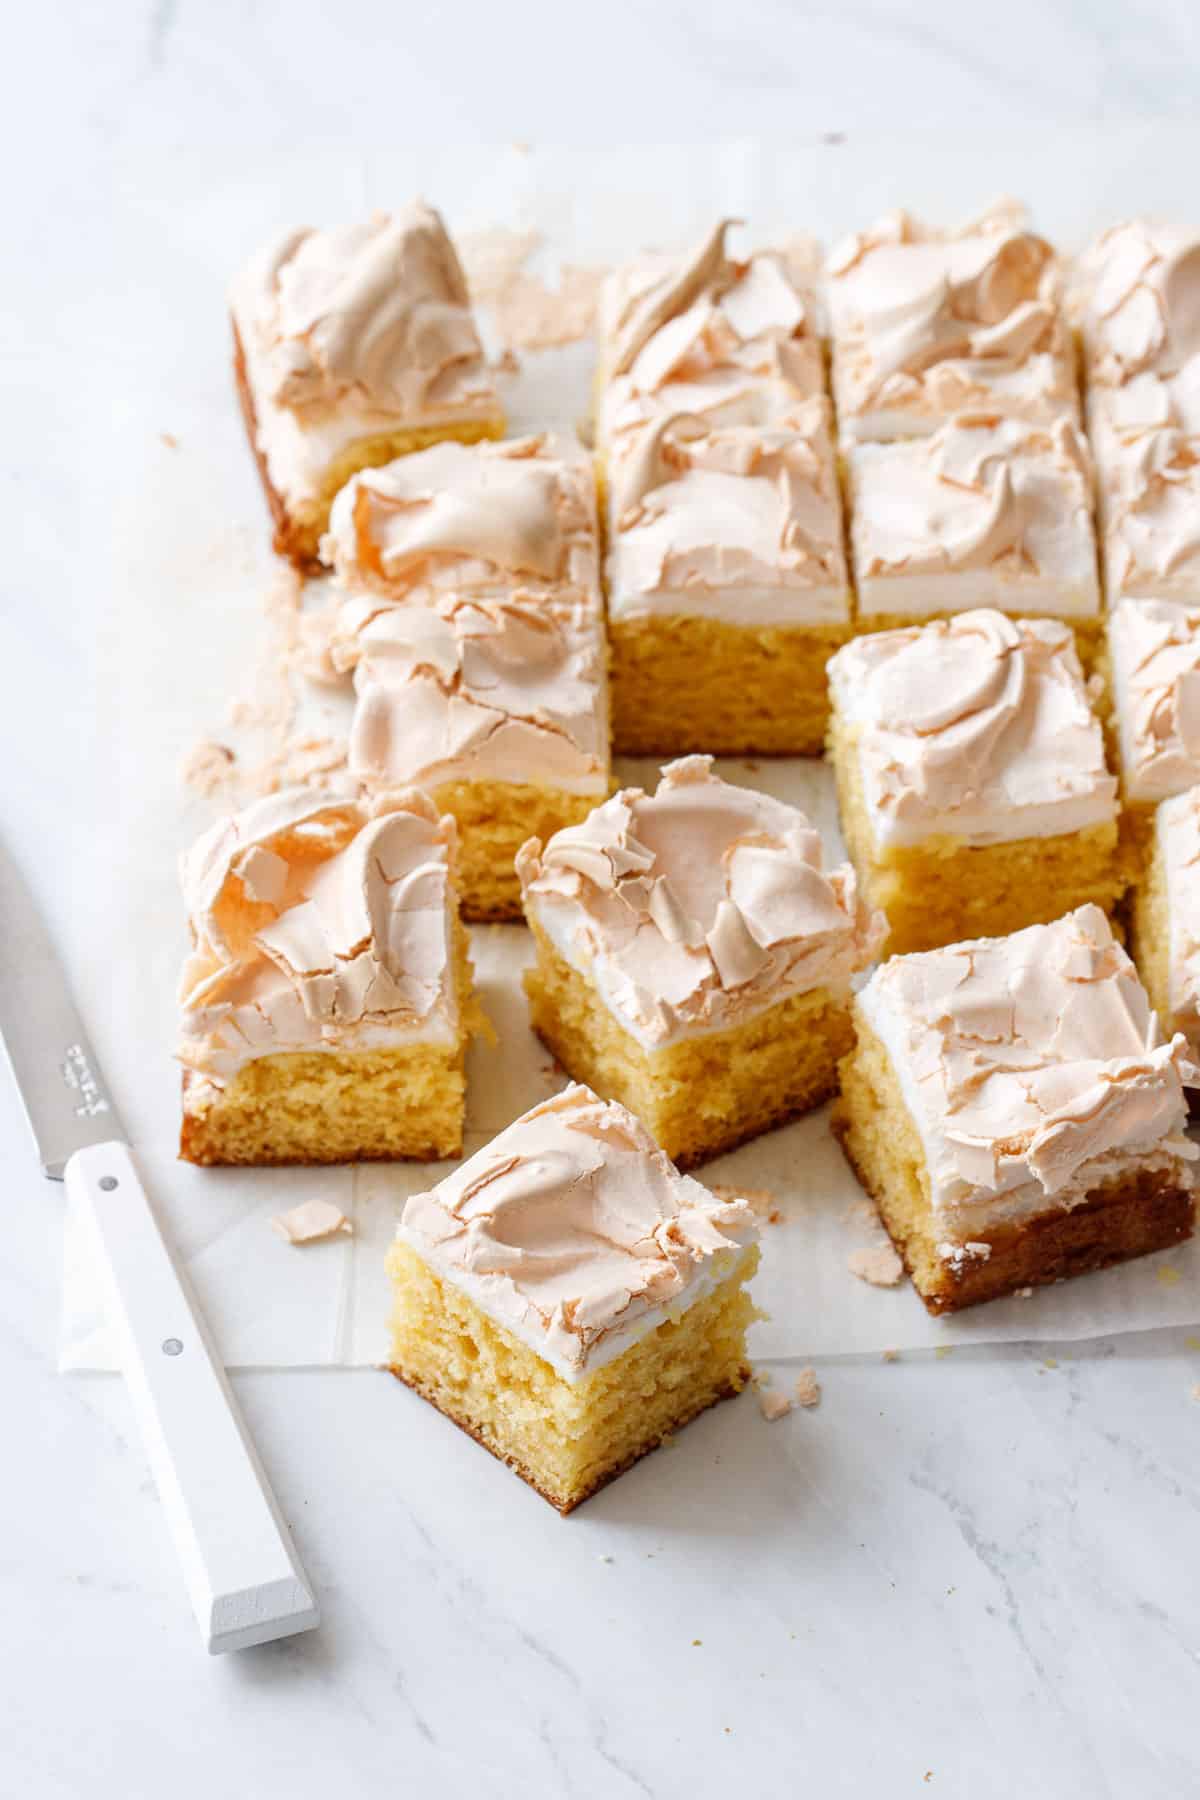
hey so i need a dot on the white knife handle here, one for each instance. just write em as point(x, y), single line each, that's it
point(243, 1576)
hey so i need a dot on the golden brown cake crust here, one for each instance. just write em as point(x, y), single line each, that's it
point(291, 539)
point(563, 1507)
point(1114, 1224)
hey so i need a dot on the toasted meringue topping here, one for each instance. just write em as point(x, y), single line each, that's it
point(499, 688)
point(1178, 827)
point(1003, 507)
point(976, 727)
point(1137, 294)
point(480, 519)
point(927, 324)
point(695, 907)
point(1155, 650)
point(1033, 1067)
point(320, 921)
point(738, 523)
point(1149, 483)
point(576, 1233)
point(358, 329)
point(734, 342)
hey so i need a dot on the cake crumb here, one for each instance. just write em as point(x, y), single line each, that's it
point(808, 1388)
point(696, 1643)
point(944, 1350)
point(169, 439)
point(311, 1221)
point(607, 1559)
point(1051, 1362)
point(877, 1264)
point(1167, 1275)
point(889, 1356)
point(773, 1405)
point(1191, 1343)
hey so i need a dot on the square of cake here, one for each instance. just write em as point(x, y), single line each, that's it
point(727, 584)
point(1165, 918)
point(694, 958)
point(985, 512)
point(1013, 1110)
point(971, 777)
point(473, 622)
point(930, 323)
point(735, 342)
point(569, 1298)
point(326, 1003)
point(353, 346)
point(1154, 680)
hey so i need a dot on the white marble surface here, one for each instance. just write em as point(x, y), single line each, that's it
point(974, 1575)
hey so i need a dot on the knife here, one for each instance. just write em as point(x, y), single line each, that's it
point(243, 1576)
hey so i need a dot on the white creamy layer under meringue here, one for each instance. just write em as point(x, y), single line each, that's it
point(573, 1231)
point(1034, 1070)
point(735, 523)
point(355, 331)
point(320, 921)
point(1154, 648)
point(927, 324)
point(1177, 825)
point(480, 519)
point(984, 512)
point(735, 342)
point(977, 727)
point(694, 908)
point(1136, 295)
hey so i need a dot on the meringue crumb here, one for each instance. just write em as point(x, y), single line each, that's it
point(207, 767)
point(311, 1221)
point(944, 1350)
point(1196, 1391)
point(889, 1356)
point(772, 1405)
point(1023, 1294)
point(877, 1264)
point(808, 1388)
point(1167, 1275)
point(761, 1201)
point(169, 439)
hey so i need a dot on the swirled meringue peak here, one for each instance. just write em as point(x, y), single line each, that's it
point(319, 921)
point(352, 331)
point(479, 519)
point(929, 323)
point(575, 1232)
point(977, 727)
point(738, 523)
point(1033, 1067)
point(735, 342)
point(496, 688)
point(1154, 647)
point(984, 512)
point(697, 906)
point(1136, 295)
